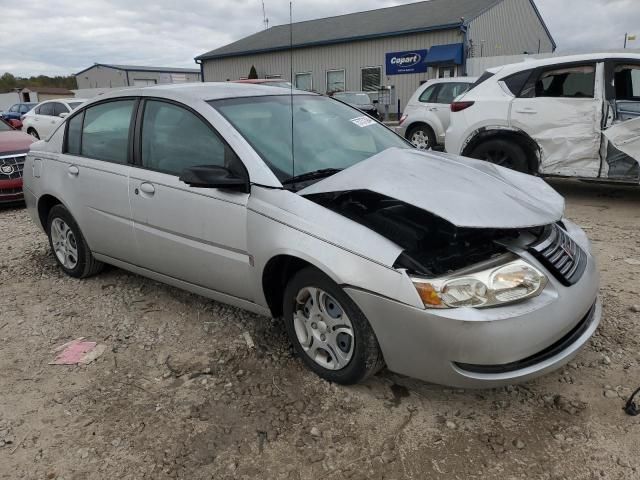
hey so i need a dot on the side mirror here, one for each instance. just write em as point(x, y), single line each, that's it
point(64, 115)
point(212, 176)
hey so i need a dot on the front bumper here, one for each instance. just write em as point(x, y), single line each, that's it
point(11, 191)
point(484, 348)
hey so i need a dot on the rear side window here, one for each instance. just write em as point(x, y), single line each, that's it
point(516, 82)
point(483, 78)
point(46, 109)
point(569, 82)
point(428, 96)
point(105, 133)
point(59, 108)
point(627, 82)
point(163, 123)
point(24, 108)
point(74, 132)
point(449, 91)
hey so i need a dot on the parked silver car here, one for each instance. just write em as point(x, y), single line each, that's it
point(450, 270)
point(426, 117)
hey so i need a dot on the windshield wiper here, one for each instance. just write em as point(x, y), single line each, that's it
point(316, 174)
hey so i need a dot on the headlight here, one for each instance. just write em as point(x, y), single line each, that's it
point(507, 283)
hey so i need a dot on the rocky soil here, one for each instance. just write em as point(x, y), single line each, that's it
point(180, 393)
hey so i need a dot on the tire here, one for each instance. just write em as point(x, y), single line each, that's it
point(422, 137)
point(33, 133)
point(78, 262)
point(504, 153)
point(355, 347)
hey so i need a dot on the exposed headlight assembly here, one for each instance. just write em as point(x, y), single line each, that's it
point(499, 285)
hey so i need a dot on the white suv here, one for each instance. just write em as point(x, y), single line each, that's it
point(572, 116)
point(426, 116)
point(42, 120)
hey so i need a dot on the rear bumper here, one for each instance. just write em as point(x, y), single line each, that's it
point(485, 348)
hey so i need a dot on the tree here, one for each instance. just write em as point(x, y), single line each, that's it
point(8, 82)
point(253, 74)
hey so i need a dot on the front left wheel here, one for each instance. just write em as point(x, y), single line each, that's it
point(328, 331)
point(69, 246)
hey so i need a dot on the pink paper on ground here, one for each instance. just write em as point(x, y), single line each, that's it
point(74, 353)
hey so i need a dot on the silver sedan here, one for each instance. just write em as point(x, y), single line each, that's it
point(292, 205)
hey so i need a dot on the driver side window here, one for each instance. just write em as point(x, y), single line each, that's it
point(173, 138)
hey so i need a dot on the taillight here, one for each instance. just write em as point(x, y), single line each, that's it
point(402, 119)
point(459, 106)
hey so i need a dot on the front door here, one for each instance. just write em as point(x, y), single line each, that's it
point(560, 107)
point(198, 235)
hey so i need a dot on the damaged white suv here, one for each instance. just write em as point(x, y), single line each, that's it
point(574, 116)
point(446, 269)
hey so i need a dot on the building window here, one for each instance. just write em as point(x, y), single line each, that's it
point(336, 81)
point(371, 78)
point(273, 75)
point(144, 82)
point(447, 71)
point(304, 81)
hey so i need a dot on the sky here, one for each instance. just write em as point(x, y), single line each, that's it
point(59, 37)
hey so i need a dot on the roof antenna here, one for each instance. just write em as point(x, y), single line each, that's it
point(293, 155)
point(265, 20)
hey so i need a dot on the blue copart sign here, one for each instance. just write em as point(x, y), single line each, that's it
point(398, 63)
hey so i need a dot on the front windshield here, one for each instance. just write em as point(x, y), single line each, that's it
point(354, 98)
point(326, 134)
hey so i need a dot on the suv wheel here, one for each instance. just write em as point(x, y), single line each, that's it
point(33, 133)
point(422, 137)
point(504, 153)
point(69, 246)
point(328, 331)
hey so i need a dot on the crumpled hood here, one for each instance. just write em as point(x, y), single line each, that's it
point(468, 193)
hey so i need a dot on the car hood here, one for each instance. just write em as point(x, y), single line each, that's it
point(15, 141)
point(465, 192)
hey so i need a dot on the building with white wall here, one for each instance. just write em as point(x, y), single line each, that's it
point(101, 75)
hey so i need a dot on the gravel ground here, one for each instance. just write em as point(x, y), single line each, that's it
point(179, 393)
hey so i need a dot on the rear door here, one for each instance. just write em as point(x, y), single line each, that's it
point(621, 129)
point(442, 105)
point(197, 235)
point(94, 173)
point(560, 107)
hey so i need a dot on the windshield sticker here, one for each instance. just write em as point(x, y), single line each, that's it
point(363, 121)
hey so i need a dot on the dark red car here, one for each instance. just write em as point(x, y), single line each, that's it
point(14, 146)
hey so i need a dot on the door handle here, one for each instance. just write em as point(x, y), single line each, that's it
point(527, 110)
point(73, 170)
point(147, 188)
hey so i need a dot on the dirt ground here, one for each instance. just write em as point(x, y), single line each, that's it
point(179, 393)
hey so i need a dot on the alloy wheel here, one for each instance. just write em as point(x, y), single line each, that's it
point(64, 243)
point(323, 329)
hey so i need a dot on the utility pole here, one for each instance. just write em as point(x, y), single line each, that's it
point(625, 40)
point(265, 20)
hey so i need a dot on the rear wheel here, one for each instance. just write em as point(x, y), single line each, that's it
point(69, 246)
point(327, 329)
point(504, 153)
point(33, 133)
point(422, 137)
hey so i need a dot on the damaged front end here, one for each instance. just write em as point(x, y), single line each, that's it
point(431, 245)
point(452, 266)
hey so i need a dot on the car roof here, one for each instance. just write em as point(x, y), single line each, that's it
point(544, 62)
point(260, 80)
point(203, 91)
point(452, 79)
point(65, 100)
